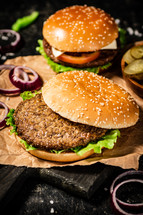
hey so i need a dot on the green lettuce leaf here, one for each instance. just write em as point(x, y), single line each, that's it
point(57, 151)
point(107, 141)
point(27, 146)
point(60, 68)
point(28, 94)
point(10, 121)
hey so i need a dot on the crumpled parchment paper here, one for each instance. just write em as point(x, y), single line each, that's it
point(125, 154)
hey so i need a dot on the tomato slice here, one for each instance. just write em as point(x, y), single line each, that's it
point(84, 58)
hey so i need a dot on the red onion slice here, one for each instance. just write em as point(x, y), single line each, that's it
point(21, 73)
point(10, 91)
point(2, 121)
point(10, 47)
point(119, 206)
point(6, 66)
point(24, 85)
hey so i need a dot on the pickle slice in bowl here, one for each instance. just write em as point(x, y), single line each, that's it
point(135, 69)
point(137, 52)
point(128, 57)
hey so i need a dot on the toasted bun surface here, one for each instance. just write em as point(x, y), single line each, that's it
point(62, 157)
point(90, 99)
point(80, 29)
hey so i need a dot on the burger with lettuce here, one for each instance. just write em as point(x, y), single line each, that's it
point(80, 37)
point(76, 115)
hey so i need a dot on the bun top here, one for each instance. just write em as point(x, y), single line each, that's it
point(80, 29)
point(90, 99)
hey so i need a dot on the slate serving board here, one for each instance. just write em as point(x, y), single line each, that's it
point(79, 180)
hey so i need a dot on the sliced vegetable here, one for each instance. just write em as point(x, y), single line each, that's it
point(84, 58)
point(6, 67)
point(23, 84)
point(128, 57)
point(2, 121)
point(21, 74)
point(25, 21)
point(10, 40)
point(135, 69)
point(18, 76)
point(137, 52)
point(10, 91)
point(127, 180)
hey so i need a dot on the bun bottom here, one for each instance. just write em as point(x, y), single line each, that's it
point(62, 157)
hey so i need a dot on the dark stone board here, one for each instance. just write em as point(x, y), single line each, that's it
point(79, 181)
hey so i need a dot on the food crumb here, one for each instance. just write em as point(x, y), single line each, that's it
point(117, 21)
point(135, 32)
point(52, 210)
point(3, 57)
point(51, 201)
point(105, 188)
point(130, 31)
point(7, 99)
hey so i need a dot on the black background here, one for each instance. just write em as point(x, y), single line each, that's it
point(36, 196)
point(129, 12)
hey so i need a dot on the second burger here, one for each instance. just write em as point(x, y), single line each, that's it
point(79, 37)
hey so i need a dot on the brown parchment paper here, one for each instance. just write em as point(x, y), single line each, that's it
point(125, 154)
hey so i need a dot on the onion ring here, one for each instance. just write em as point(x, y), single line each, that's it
point(24, 85)
point(11, 47)
point(2, 121)
point(21, 73)
point(119, 206)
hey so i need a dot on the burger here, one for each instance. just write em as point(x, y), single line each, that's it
point(79, 37)
point(77, 115)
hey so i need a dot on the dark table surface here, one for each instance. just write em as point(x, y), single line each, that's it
point(41, 195)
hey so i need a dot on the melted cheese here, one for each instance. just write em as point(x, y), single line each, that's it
point(112, 45)
point(56, 52)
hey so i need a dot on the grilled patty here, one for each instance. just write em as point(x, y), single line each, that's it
point(104, 57)
point(42, 128)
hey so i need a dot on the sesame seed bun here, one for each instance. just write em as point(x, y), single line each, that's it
point(80, 29)
point(62, 157)
point(90, 99)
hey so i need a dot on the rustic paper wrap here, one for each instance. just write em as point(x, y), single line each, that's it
point(125, 154)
